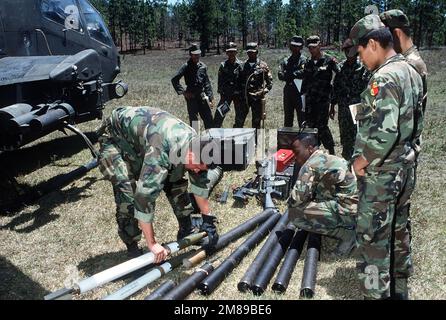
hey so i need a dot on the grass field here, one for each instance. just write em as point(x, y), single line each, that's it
point(75, 228)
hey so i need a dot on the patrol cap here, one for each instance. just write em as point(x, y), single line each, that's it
point(232, 46)
point(297, 41)
point(194, 49)
point(395, 19)
point(364, 27)
point(313, 41)
point(252, 47)
point(348, 48)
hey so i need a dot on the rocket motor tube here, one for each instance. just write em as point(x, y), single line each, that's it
point(289, 263)
point(53, 117)
point(230, 236)
point(159, 292)
point(269, 267)
point(246, 282)
point(210, 283)
point(308, 284)
point(187, 286)
point(129, 266)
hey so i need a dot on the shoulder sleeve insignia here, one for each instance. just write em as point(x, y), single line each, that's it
point(374, 90)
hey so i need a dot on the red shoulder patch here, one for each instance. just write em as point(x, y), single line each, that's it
point(374, 89)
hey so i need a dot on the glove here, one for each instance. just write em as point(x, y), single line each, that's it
point(209, 227)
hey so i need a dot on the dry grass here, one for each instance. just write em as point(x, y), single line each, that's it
point(76, 226)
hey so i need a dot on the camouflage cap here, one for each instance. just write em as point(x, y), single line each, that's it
point(252, 47)
point(194, 49)
point(313, 41)
point(394, 19)
point(363, 27)
point(348, 48)
point(297, 41)
point(232, 46)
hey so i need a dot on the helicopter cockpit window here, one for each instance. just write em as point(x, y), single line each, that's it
point(95, 25)
point(64, 12)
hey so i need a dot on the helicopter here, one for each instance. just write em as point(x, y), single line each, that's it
point(58, 63)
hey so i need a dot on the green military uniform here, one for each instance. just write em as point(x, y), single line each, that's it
point(324, 198)
point(199, 85)
point(348, 85)
point(255, 80)
point(228, 86)
point(317, 87)
point(397, 19)
point(291, 68)
point(389, 122)
point(136, 151)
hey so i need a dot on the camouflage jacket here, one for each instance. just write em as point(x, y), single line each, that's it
point(228, 77)
point(349, 83)
point(152, 138)
point(292, 68)
point(390, 117)
point(196, 78)
point(261, 76)
point(324, 177)
point(317, 79)
point(413, 57)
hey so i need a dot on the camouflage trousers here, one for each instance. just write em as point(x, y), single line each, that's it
point(120, 168)
point(317, 117)
point(326, 218)
point(383, 230)
point(347, 130)
point(242, 112)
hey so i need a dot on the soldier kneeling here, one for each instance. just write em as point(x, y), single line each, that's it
point(324, 198)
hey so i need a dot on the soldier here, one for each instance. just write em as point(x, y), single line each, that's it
point(198, 93)
point(227, 84)
point(316, 86)
point(324, 198)
point(399, 25)
point(290, 69)
point(348, 85)
point(255, 81)
point(144, 151)
point(389, 123)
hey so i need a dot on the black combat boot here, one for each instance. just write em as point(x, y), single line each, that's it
point(133, 251)
point(185, 227)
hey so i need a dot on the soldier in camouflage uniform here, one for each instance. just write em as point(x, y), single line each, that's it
point(255, 81)
point(317, 88)
point(324, 198)
point(389, 123)
point(290, 69)
point(198, 93)
point(348, 85)
point(228, 83)
point(144, 151)
point(399, 25)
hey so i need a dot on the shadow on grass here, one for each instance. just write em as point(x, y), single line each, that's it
point(42, 215)
point(343, 284)
point(29, 159)
point(15, 285)
point(13, 195)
